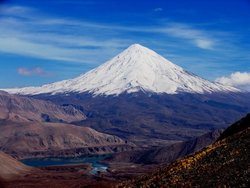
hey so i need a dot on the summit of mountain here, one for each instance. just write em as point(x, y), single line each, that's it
point(135, 69)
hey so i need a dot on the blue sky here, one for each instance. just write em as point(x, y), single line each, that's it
point(51, 40)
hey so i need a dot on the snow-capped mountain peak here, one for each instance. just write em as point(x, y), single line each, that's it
point(136, 68)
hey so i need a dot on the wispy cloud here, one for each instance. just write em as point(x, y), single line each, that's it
point(197, 37)
point(15, 10)
point(158, 9)
point(24, 31)
point(36, 71)
point(237, 79)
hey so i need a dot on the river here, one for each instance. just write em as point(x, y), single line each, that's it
point(93, 160)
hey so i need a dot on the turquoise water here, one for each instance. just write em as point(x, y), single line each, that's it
point(93, 160)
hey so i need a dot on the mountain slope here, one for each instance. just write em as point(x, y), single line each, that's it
point(10, 167)
point(135, 69)
point(222, 164)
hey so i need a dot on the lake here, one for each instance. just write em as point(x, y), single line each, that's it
point(93, 160)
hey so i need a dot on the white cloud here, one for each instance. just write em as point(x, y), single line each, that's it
point(239, 80)
point(36, 71)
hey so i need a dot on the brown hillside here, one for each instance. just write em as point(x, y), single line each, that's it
point(222, 164)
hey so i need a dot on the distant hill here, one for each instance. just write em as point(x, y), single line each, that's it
point(55, 139)
point(224, 163)
point(37, 128)
point(25, 109)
